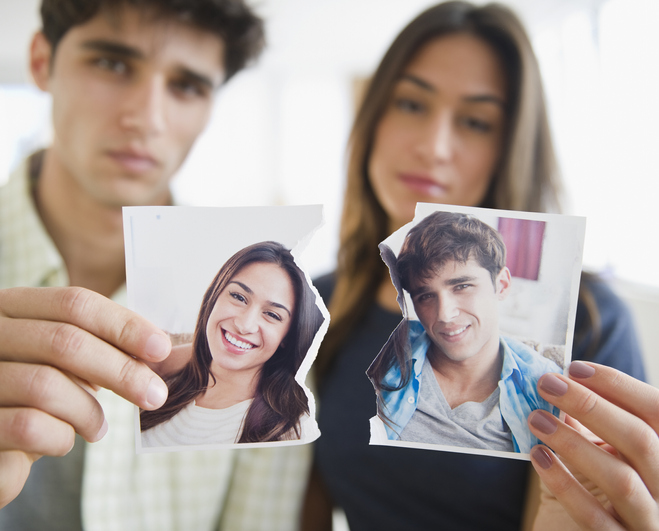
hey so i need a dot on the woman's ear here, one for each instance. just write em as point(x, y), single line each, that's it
point(40, 60)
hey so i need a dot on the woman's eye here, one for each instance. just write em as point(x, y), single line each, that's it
point(478, 125)
point(237, 296)
point(409, 105)
point(274, 315)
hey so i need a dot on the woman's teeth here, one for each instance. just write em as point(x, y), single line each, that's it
point(236, 342)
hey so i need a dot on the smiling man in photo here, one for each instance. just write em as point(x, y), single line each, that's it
point(451, 378)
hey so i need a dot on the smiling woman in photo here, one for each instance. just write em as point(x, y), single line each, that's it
point(257, 321)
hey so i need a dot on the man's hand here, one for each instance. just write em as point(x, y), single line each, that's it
point(57, 347)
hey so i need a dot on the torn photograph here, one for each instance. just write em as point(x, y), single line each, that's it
point(489, 302)
point(229, 287)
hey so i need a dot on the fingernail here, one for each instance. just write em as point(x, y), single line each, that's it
point(579, 369)
point(101, 433)
point(156, 394)
point(542, 457)
point(157, 346)
point(543, 422)
point(553, 385)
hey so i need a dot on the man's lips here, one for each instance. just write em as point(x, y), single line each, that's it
point(422, 184)
point(133, 160)
point(454, 334)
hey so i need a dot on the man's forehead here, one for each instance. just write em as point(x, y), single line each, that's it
point(448, 271)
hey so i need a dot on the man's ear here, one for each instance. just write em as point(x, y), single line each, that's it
point(503, 283)
point(40, 60)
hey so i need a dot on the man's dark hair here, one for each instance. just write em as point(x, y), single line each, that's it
point(442, 237)
point(232, 20)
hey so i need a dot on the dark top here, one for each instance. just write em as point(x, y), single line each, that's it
point(382, 487)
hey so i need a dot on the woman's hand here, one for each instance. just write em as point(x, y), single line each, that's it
point(613, 449)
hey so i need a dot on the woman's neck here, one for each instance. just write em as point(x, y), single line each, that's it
point(228, 388)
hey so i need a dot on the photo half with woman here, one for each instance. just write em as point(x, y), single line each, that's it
point(226, 285)
point(488, 300)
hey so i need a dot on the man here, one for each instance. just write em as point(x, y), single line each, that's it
point(132, 85)
point(451, 378)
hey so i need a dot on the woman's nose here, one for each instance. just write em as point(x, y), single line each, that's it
point(247, 321)
point(437, 138)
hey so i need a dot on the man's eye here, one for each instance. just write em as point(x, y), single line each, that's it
point(188, 89)
point(460, 287)
point(112, 65)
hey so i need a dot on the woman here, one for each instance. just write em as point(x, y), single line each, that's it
point(454, 114)
point(257, 321)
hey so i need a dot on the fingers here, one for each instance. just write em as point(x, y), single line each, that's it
point(630, 394)
point(87, 335)
point(628, 433)
point(628, 473)
point(580, 504)
point(15, 468)
point(89, 311)
point(49, 390)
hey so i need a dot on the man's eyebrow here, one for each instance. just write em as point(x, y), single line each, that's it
point(115, 48)
point(460, 280)
point(198, 78)
point(129, 52)
point(249, 290)
point(476, 98)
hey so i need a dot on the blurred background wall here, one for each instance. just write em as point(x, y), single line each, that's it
point(279, 129)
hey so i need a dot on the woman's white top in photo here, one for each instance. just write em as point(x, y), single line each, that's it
point(199, 425)
point(195, 425)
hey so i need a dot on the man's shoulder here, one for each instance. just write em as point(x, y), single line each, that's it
point(529, 360)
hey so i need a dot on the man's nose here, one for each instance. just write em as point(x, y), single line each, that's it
point(447, 308)
point(144, 111)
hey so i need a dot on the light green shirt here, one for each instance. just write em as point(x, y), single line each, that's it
point(246, 489)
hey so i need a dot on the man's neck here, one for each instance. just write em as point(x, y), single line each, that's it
point(471, 380)
point(88, 234)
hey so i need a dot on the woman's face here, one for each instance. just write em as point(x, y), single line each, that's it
point(251, 317)
point(441, 135)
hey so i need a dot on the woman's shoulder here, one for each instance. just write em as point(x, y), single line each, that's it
point(606, 334)
point(325, 285)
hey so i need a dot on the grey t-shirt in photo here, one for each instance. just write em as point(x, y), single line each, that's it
point(471, 424)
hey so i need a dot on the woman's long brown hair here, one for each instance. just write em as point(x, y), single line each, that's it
point(526, 177)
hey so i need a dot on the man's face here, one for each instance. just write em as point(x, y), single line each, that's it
point(458, 308)
point(130, 95)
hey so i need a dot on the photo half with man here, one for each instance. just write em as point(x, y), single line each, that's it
point(489, 301)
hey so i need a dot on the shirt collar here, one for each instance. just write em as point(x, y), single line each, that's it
point(29, 257)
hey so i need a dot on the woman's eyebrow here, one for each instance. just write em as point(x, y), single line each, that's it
point(249, 290)
point(418, 82)
point(476, 98)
